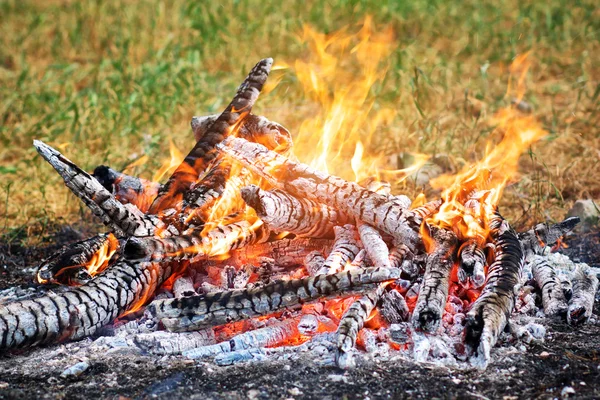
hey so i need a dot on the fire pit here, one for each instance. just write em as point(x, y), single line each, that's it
point(248, 257)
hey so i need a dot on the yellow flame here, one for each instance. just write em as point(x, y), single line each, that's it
point(338, 75)
point(169, 165)
point(100, 260)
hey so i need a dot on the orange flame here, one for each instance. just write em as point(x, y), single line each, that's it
point(471, 196)
point(100, 260)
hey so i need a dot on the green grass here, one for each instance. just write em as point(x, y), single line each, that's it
point(109, 81)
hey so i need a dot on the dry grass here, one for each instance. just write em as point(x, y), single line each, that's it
point(109, 81)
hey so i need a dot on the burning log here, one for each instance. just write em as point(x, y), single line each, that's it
point(313, 262)
point(427, 314)
point(254, 128)
point(535, 240)
point(585, 286)
point(490, 312)
point(223, 307)
point(93, 254)
point(553, 297)
point(122, 219)
point(348, 197)
point(345, 249)
point(79, 312)
point(273, 335)
point(351, 323)
point(127, 189)
point(215, 242)
point(285, 213)
point(286, 252)
point(198, 201)
point(472, 263)
point(204, 151)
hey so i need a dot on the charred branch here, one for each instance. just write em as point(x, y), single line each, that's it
point(220, 308)
point(124, 219)
point(204, 151)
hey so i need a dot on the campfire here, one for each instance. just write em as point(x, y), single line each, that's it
point(247, 253)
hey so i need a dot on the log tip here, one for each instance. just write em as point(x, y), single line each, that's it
point(44, 150)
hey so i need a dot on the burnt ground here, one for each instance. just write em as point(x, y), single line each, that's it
point(569, 358)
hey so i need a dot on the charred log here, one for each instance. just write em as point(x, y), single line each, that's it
point(224, 307)
point(126, 188)
point(427, 314)
point(62, 265)
point(585, 286)
point(218, 241)
point(204, 151)
point(345, 249)
point(285, 213)
point(535, 240)
point(124, 219)
point(471, 271)
point(490, 312)
point(79, 312)
point(303, 181)
point(553, 296)
point(352, 322)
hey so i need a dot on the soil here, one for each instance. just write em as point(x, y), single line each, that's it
point(567, 363)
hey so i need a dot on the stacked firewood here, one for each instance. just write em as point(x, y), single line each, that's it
point(283, 236)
